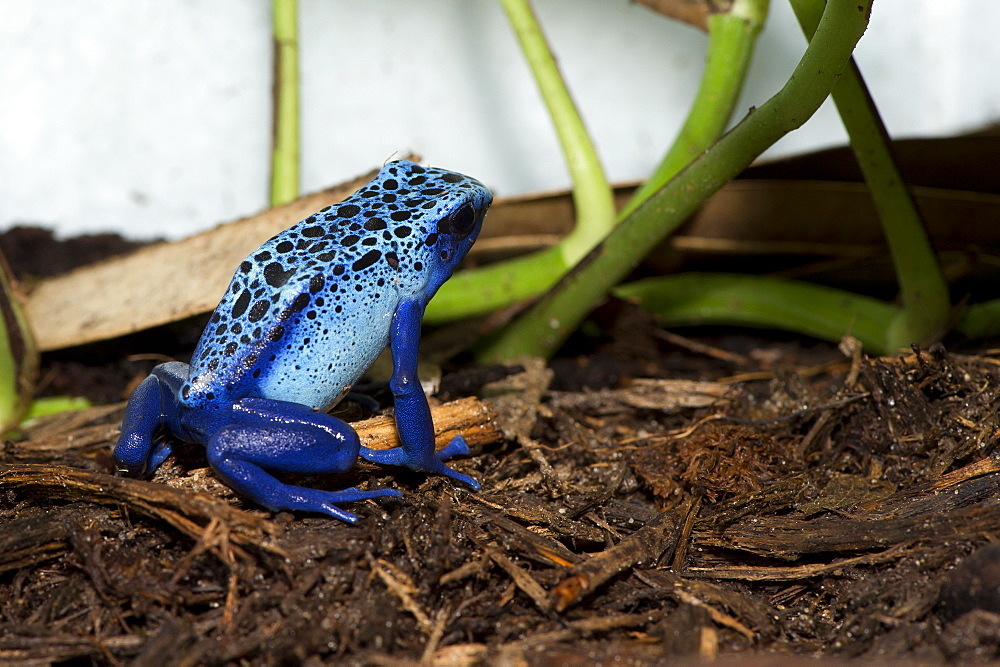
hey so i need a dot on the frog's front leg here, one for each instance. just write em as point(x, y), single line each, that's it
point(413, 415)
point(266, 436)
point(152, 405)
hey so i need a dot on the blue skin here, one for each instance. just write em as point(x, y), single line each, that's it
point(304, 317)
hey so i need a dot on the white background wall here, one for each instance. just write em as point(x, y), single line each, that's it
point(152, 118)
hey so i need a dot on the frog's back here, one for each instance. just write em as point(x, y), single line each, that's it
point(309, 311)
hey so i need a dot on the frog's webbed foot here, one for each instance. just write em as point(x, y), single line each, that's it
point(274, 436)
point(432, 462)
point(457, 447)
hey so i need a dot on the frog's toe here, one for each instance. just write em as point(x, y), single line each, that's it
point(429, 461)
point(337, 513)
point(301, 499)
point(315, 500)
point(354, 494)
point(159, 455)
point(439, 467)
point(457, 447)
point(465, 479)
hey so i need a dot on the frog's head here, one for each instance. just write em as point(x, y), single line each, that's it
point(448, 220)
point(459, 225)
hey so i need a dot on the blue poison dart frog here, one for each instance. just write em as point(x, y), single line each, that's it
point(305, 315)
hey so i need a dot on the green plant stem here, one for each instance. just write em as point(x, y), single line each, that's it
point(18, 354)
point(926, 303)
point(486, 289)
point(763, 301)
point(51, 405)
point(731, 38)
point(285, 119)
point(502, 284)
point(544, 327)
point(592, 196)
point(12, 400)
point(732, 35)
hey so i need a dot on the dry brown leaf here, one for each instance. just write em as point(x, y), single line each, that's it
point(692, 12)
point(160, 283)
point(170, 281)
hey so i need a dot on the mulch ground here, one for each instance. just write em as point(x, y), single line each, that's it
point(815, 504)
point(645, 498)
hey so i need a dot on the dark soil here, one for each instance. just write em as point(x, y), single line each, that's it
point(825, 505)
point(33, 252)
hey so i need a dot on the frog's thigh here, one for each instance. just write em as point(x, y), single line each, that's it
point(240, 453)
point(269, 436)
point(284, 437)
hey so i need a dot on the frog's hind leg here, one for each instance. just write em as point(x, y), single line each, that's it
point(267, 436)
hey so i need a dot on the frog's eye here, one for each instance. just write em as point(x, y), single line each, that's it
point(461, 221)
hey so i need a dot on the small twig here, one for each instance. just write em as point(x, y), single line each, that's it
point(521, 578)
point(585, 626)
point(795, 415)
point(604, 495)
point(214, 538)
point(851, 348)
point(701, 348)
point(797, 572)
point(401, 589)
point(229, 610)
point(441, 619)
point(643, 546)
point(680, 551)
point(534, 452)
point(543, 549)
point(690, 598)
point(462, 571)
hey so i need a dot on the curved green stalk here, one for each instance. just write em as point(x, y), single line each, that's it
point(732, 35)
point(502, 284)
point(764, 301)
point(18, 354)
point(731, 38)
point(543, 327)
point(489, 288)
point(592, 196)
point(926, 305)
point(285, 132)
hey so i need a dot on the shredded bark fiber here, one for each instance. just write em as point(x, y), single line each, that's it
point(812, 507)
